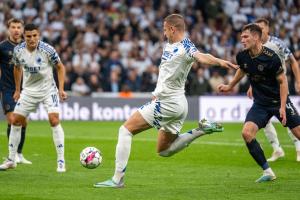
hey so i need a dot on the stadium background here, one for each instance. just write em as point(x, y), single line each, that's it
point(112, 49)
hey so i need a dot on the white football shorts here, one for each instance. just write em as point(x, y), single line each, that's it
point(166, 114)
point(27, 104)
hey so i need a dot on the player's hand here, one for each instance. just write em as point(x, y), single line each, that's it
point(16, 95)
point(229, 65)
point(249, 93)
point(282, 116)
point(297, 87)
point(63, 95)
point(224, 88)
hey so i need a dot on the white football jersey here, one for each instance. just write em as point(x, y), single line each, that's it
point(37, 68)
point(176, 62)
point(279, 47)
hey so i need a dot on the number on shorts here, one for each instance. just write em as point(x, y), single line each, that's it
point(54, 100)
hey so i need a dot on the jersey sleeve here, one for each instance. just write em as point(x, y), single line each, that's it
point(53, 56)
point(277, 65)
point(239, 61)
point(189, 47)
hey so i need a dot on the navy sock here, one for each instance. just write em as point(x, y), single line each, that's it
point(257, 153)
point(8, 130)
point(20, 147)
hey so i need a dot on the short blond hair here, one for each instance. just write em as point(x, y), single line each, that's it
point(176, 20)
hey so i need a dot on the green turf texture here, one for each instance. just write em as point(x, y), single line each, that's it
point(216, 166)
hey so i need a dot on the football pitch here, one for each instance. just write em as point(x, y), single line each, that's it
point(216, 166)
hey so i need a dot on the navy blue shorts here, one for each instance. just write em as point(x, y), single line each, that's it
point(8, 103)
point(261, 115)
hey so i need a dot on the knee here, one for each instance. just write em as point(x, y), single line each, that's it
point(247, 135)
point(18, 120)
point(54, 121)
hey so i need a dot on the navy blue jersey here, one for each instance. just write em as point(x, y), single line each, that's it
point(7, 67)
point(262, 71)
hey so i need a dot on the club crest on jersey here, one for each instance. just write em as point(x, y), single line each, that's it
point(260, 67)
point(38, 60)
point(245, 66)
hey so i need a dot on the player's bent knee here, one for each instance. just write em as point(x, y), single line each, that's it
point(247, 136)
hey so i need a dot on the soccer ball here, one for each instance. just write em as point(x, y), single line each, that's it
point(90, 157)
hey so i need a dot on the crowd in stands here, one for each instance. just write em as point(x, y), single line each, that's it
point(116, 45)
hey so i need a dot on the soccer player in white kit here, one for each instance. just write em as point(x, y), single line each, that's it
point(35, 60)
point(285, 55)
point(168, 108)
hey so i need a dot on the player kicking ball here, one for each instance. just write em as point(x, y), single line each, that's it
point(168, 108)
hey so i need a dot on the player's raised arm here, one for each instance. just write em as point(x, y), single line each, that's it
point(61, 80)
point(209, 59)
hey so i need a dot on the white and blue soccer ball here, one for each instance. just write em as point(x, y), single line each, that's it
point(90, 157)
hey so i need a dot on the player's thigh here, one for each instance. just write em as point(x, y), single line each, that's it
point(51, 103)
point(136, 123)
point(259, 115)
point(292, 119)
point(8, 102)
point(26, 104)
point(167, 115)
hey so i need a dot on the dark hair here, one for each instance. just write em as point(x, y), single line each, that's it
point(253, 28)
point(176, 20)
point(14, 20)
point(262, 20)
point(30, 27)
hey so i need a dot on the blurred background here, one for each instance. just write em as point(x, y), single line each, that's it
point(116, 45)
point(113, 47)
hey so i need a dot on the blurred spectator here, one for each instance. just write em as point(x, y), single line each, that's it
point(96, 36)
point(215, 80)
point(199, 84)
point(80, 87)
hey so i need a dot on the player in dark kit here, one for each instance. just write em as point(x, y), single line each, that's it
point(7, 82)
point(264, 70)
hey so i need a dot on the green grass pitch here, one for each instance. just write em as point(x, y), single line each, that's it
point(216, 166)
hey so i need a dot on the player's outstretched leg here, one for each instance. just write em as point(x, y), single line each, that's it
point(184, 139)
point(271, 135)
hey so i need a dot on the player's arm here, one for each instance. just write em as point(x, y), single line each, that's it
point(18, 78)
point(237, 77)
point(282, 80)
point(209, 59)
point(61, 80)
point(296, 71)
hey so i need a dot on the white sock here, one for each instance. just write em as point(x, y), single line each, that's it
point(271, 135)
point(269, 171)
point(294, 139)
point(122, 153)
point(59, 141)
point(14, 140)
point(182, 141)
